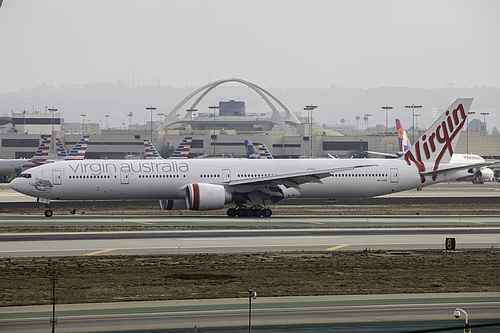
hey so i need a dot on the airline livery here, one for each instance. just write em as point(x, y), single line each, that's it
point(206, 184)
point(482, 171)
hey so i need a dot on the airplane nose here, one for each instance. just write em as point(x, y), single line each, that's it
point(15, 184)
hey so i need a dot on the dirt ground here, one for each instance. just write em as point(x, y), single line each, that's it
point(134, 278)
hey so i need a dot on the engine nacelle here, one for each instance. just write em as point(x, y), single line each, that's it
point(207, 196)
point(486, 173)
point(168, 204)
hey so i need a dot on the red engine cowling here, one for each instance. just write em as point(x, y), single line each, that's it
point(167, 204)
point(207, 196)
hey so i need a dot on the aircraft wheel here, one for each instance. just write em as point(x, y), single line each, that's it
point(231, 212)
point(245, 212)
point(267, 212)
point(257, 212)
point(72, 211)
point(48, 213)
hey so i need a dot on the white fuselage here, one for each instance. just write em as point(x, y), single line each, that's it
point(167, 179)
point(11, 166)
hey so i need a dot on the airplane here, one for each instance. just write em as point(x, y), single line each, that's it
point(209, 184)
point(181, 152)
point(76, 153)
point(16, 165)
point(481, 172)
point(261, 153)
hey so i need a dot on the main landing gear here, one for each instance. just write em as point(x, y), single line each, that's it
point(254, 211)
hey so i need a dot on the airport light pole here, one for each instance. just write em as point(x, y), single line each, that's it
point(251, 295)
point(484, 114)
point(365, 118)
point(214, 107)
point(83, 123)
point(310, 109)
point(468, 113)
point(162, 114)
point(130, 114)
point(416, 120)
point(151, 108)
point(413, 107)
point(457, 312)
point(387, 108)
point(52, 110)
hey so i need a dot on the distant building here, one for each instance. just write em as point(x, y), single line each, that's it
point(232, 108)
point(36, 123)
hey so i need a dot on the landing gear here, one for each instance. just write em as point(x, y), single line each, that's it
point(48, 213)
point(254, 211)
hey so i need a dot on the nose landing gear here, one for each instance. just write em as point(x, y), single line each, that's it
point(48, 213)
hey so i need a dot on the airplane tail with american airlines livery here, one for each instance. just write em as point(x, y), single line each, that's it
point(437, 145)
point(79, 150)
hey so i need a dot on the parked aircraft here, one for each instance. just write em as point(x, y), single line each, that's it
point(257, 153)
point(207, 184)
point(181, 152)
point(16, 165)
point(76, 153)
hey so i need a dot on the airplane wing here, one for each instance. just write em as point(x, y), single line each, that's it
point(260, 188)
point(383, 154)
point(294, 179)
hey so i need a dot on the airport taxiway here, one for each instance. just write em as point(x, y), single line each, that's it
point(242, 241)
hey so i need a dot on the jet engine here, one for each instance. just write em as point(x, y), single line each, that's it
point(168, 204)
point(207, 196)
point(486, 173)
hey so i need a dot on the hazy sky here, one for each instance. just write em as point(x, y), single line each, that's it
point(273, 43)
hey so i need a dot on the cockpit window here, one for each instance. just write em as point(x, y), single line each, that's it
point(26, 175)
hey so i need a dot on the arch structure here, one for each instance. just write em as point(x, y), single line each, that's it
point(276, 118)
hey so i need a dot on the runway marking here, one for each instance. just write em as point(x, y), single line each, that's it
point(478, 222)
point(142, 222)
point(337, 247)
point(97, 252)
point(311, 222)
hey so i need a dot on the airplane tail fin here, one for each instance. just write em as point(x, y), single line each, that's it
point(264, 152)
point(151, 152)
point(438, 142)
point(42, 152)
point(252, 152)
point(404, 141)
point(61, 151)
point(79, 150)
point(182, 151)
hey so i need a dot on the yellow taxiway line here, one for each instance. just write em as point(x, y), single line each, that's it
point(98, 252)
point(337, 247)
